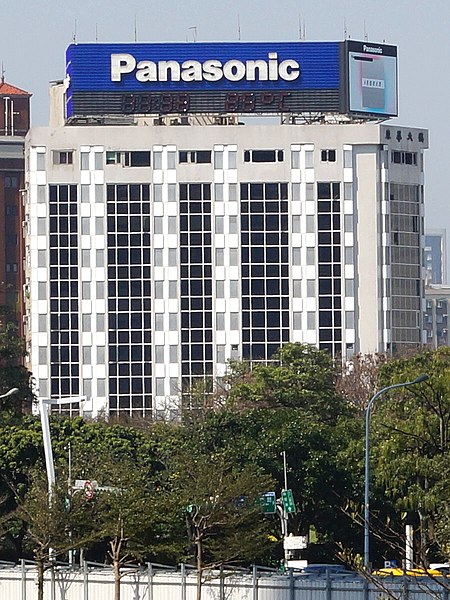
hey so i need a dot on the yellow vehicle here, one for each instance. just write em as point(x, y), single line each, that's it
point(397, 572)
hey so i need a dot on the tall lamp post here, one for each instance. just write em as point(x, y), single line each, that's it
point(44, 406)
point(419, 379)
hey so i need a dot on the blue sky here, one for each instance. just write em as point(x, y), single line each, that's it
point(35, 34)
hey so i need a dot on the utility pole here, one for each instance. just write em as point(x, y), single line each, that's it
point(283, 513)
point(69, 496)
point(285, 470)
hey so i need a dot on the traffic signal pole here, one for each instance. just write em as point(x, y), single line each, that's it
point(283, 506)
point(283, 513)
point(284, 529)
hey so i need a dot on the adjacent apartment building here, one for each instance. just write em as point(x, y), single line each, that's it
point(160, 247)
point(14, 124)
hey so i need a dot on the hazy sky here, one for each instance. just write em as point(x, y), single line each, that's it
point(35, 34)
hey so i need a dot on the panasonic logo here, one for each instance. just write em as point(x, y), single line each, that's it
point(373, 49)
point(209, 70)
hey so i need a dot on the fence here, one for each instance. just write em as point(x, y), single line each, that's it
point(157, 582)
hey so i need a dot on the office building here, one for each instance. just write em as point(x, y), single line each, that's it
point(159, 248)
point(435, 251)
point(436, 315)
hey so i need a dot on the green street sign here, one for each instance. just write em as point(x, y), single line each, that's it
point(268, 503)
point(287, 499)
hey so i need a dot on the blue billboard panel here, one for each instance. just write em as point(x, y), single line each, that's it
point(203, 66)
point(117, 79)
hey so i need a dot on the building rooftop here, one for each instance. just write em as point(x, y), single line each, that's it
point(7, 89)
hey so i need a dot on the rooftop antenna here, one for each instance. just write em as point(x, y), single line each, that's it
point(365, 32)
point(345, 29)
point(193, 28)
point(239, 28)
point(2, 79)
point(96, 33)
point(301, 28)
point(135, 29)
point(74, 35)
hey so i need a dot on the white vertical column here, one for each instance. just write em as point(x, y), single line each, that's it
point(348, 234)
point(38, 273)
point(166, 375)
point(309, 245)
point(295, 242)
point(226, 243)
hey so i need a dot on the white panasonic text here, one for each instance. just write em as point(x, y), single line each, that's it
point(373, 49)
point(209, 70)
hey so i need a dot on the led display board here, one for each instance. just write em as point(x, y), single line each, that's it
point(224, 78)
point(372, 78)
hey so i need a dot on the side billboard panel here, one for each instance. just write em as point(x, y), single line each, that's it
point(372, 79)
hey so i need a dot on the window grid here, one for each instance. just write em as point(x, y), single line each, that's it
point(406, 281)
point(64, 306)
point(329, 266)
point(195, 283)
point(265, 265)
point(129, 298)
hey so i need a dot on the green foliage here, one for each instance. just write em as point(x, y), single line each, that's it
point(300, 376)
point(124, 509)
point(48, 527)
point(235, 438)
point(12, 372)
point(45, 518)
point(224, 519)
point(411, 437)
point(317, 472)
point(412, 424)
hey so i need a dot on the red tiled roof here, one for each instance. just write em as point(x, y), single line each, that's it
point(9, 90)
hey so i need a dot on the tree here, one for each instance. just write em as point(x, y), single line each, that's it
point(291, 405)
point(12, 372)
point(318, 473)
point(299, 376)
point(223, 516)
point(124, 512)
point(411, 438)
point(20, 452)
point(358, 379)
point(21, 448)
point(47, 522)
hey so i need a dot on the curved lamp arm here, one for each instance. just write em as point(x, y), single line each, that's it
point(9, 393)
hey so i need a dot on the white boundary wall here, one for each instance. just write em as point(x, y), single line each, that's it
point(20, 583)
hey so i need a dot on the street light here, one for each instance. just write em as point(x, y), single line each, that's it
point(9, 393)
point(419, 379)
point(44, 406)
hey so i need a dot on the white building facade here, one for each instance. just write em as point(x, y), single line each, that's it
point(157, 253)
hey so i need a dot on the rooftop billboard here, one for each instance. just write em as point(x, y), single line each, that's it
point(266, 77)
